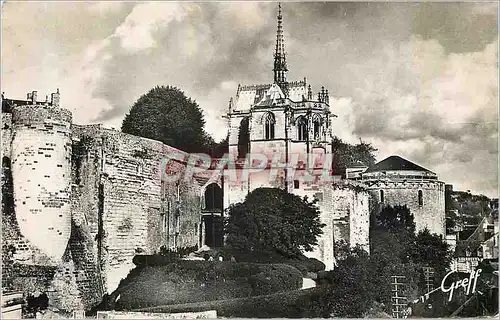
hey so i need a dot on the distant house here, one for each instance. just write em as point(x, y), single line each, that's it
point(482, 244)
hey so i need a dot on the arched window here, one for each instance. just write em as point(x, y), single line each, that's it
point(269, 122)
point(244, 138)
point(301, 129)
point(213, 197)
point(420, 198)
point(381, 196)
point(317, 123)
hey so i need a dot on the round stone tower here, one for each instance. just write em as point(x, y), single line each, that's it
point(41, 170)
point(397, 181)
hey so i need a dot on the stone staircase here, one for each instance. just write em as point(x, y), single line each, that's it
point(12, 305)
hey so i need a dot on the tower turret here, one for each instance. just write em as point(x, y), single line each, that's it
point(41, 170)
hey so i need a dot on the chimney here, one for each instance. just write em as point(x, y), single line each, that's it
point(54, 101)
point(33, 97)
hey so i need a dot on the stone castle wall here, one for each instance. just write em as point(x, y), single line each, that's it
point(131, 211)
point(25, 267)
point(96, 199)
point(344, 208)
point(345, 211)
point(430, 215)
point(6, 133)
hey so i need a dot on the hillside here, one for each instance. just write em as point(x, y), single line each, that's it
point(464, 208)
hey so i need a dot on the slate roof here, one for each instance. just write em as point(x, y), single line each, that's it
point(396, 163)
point(357, 164)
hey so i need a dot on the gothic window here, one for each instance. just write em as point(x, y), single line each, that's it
point(244, 138)
point(420, 198)
point(317, 122)
point(301, 129)
point(213, 197)
point(269, 122)
point(296, 184)
point(381, 196)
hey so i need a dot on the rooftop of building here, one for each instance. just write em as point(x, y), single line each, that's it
point(356, 164)
point(9, 104)
point(396, 163)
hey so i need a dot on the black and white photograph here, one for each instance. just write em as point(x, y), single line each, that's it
point(249, 159)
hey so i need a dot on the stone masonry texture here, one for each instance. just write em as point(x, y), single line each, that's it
point(96, 199)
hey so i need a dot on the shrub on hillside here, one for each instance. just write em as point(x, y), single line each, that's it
point(196, 281)
point(302, 263)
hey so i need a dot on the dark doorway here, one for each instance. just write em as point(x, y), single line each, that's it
point(213, 231)
point(213, 197)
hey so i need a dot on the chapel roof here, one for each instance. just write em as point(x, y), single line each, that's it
point(396, 163)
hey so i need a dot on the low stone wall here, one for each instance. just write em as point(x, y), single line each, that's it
point(212, 314)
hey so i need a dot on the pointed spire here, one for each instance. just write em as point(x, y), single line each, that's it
point(280, 67)
point(230, 107)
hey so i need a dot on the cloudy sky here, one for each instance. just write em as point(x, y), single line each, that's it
point(418, 80)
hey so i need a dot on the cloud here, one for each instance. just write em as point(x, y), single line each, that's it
point(441, 113)
point(136, 32)
point(415, 79)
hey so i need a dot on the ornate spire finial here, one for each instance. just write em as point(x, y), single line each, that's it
point(280, 67)
point(230, 105)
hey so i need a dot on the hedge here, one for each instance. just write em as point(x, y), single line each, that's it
point(302, 263)
point(196, 281)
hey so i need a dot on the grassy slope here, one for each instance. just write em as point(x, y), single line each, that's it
point(197, 281)
point(291, 304)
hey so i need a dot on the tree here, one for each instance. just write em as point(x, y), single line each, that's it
point(345, 154)
point(395, 220)
point(352, 292)
point(271, 220)
point(167, 115)
point(431, 250)
point(396, 250)
point(217, 149)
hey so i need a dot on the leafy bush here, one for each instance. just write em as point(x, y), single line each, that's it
point(153, 260)
point(302, 263)
point(196, 281)
point(314, 265)
point(273, 220)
